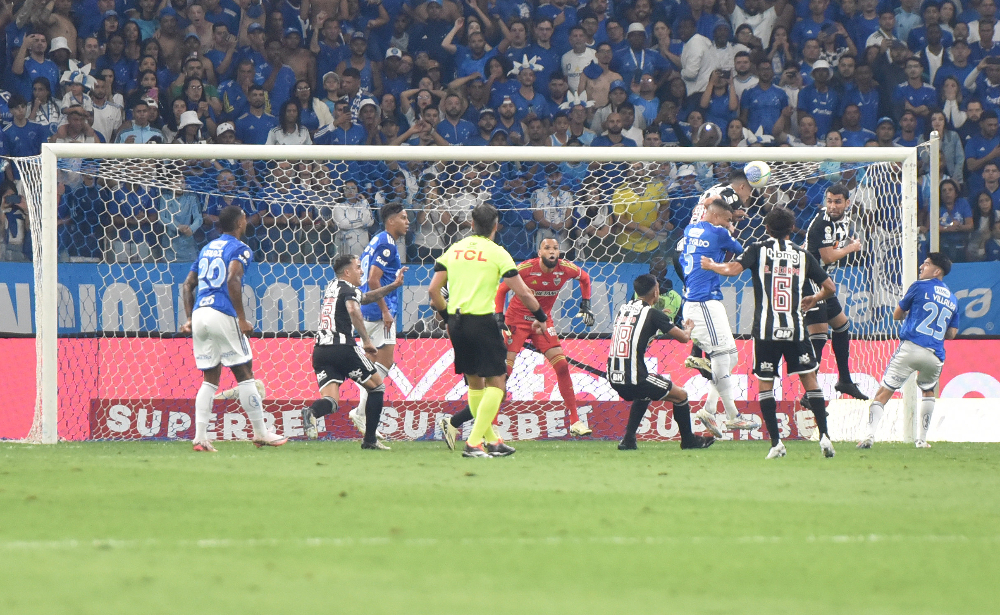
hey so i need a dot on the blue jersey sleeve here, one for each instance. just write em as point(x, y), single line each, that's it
point(727, 243)
point(906, 303)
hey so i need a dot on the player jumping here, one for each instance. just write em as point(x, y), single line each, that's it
point(930, 311)
point(379, 265)
point(829, 240)
point(336, 356)
point(219, 327)
point(545, 276)
point(781, 275)
point(703, 306)
point(636, 322)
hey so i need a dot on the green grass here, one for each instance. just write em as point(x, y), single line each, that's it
point(569, 527)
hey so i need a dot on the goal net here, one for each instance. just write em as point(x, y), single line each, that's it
point(115, 230)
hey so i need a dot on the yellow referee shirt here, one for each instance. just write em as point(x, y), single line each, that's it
point(474, 265)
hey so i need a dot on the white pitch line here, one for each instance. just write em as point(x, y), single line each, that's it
point(230, 543)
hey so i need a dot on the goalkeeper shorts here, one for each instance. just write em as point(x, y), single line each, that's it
point(521, 332)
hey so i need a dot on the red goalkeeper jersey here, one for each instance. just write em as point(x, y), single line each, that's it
point(546, 287)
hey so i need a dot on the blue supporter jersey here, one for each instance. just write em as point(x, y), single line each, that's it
point(252, 130)
point(212, 268)
point(705, 239)
point(763, 106)
point(381, 251)
point(823, 106)
point(931, 310)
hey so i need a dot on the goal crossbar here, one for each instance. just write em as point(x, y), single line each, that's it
point(48, 292)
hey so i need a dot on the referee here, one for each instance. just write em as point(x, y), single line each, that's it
point(472, 269)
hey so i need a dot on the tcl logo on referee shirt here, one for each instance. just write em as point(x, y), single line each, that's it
point(470, 255)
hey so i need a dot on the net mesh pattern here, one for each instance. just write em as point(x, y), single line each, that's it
point(132, 228)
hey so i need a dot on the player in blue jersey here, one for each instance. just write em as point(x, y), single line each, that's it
point(703, 305)
point(219, 327)
point(929, 312)
point(379, 264)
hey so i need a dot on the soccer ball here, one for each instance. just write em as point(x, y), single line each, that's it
point(758, 173)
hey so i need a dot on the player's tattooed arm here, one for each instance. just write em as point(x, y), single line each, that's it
point(354, 311)
point(833, 254)
point(187, 292)
point(374, 295)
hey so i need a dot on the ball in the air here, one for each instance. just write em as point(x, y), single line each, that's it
point(758, 173)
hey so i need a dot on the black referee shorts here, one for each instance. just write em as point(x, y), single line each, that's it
point(654, 387)
point(799, 358)
point(824, 312)
point(338, 362)
point(478, 344)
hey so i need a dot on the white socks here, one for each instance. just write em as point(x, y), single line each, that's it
point(722, 367)
point(252, 405)
point(874, 416)
point(926, 411)
point(203, 410)
point(712, 398)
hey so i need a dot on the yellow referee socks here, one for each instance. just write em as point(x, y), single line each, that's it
point(489, 405)
point(475, 398)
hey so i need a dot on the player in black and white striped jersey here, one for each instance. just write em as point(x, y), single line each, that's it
point(635, 323)
point(782, 272)
point(830, 239)
point(337, 356)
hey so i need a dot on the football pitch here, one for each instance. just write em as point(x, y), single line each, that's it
point(560, 527)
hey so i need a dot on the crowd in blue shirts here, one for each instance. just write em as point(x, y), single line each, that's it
point(549, 73)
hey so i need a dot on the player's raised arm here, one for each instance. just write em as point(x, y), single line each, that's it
point(379, 292)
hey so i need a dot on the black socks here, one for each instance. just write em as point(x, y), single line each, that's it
point(373, 413)
point(769, 409)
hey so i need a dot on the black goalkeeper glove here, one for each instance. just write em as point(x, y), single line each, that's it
point(585, 314)
point(504, 329)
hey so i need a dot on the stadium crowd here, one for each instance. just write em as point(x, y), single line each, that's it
point(563, 73)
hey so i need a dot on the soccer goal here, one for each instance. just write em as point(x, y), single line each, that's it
point(116, 229)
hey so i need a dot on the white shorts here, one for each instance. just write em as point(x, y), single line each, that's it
point(218, 339)
point(909, 358)
point(711, 326)
point(376, 331)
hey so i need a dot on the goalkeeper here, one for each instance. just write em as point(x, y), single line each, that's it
point(545, 277)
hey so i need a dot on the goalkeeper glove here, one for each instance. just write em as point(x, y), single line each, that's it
point(504, 329)
point(585, 314)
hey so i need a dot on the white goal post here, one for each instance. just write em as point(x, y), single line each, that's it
point(47, 292)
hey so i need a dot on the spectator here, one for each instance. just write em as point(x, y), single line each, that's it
point(636, 59)
point(552, 207)
point(477, 98)
point(865, 96)
point(885, 133)
point(952, 151)
point(30, 63)
point(44, 110)
point(808, 133)
point(672, 131)
point(278, 76)
point(114, 58)
point(853, 134)
point(254, 126)
point(992, 248)
point(955, 224)
point(508, 122)
point(549, 52)
point(743, 77)
point(883, 36)
point(180, 215)
point(140, 130)
point(196, 98)
point(809, 27)
point(190, 129)
point(432, 221)
point(135, 226)
point(313, 112)
point(223, 51)
point(13, 224)
point(959, 67)
point(453, 128)
point(835, 43)
point(843, 79)
point(517, 217)
point(643, 211)
point(559, 94)
point(577, 116)
point(908, 135)
point(289, 130)
point(300, 60)
point(577, 58)
point(984, 217)
point(352, 216)
point(515, 42)
point(234, 93)
point(818, 99)
point(907, 18)
point(21, 137)
point(645, 99)
point(369, 72)
point(487, 122)
point(227, 193)
point(980, 149)
point(757, 15)
point(83, 207)
point(779, 52)
point(108, 117)
point(991, 182)
point(719, 103)
point(892, 73)
point(761, 106)
point(915, 95)
point(597, 78)
point(985, 46)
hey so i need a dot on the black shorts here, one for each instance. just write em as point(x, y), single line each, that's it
point(799, 358)
point(824, 312)
point(479, 346)
point(655, 387)
point(338, 362)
